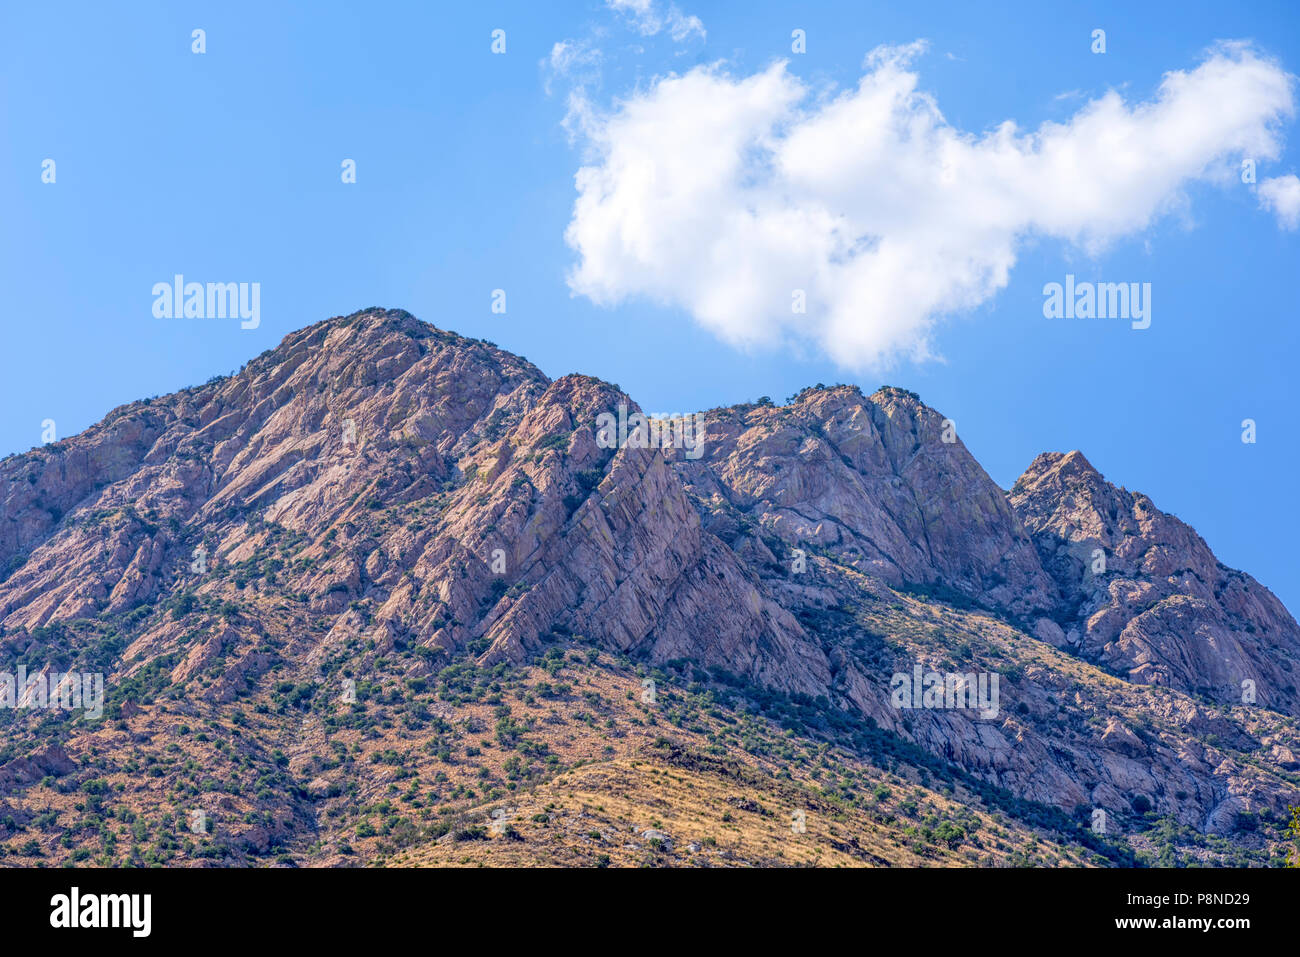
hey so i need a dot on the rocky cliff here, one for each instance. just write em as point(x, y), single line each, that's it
point(380, 505)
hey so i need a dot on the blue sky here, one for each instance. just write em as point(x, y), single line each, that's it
point(225, 166)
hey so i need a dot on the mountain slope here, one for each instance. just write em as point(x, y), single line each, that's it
point(387, 580)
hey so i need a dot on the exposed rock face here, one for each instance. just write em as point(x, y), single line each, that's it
point(1145, 596)
point(873, 482)
point(605, 543)
point(376, 484)
point(52, 760)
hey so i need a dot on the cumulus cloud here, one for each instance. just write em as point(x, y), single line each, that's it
point(725, 195)
point(650, 17)
point(1281, 194)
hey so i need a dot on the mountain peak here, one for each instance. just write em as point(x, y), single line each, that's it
point(1144, 594)
point(898, 394)
point(1063, 463)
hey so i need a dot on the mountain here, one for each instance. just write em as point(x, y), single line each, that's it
point(1163, 610)
point(391, 595)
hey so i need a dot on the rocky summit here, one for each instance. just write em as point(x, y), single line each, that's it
point(389, 596)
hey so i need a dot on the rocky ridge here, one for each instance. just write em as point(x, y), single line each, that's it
point(378, 496)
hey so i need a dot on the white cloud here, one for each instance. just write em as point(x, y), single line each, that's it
point(577, 61)
point(722, 195)
point(568, 55)
point(1281, 194)
point(650, 17)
